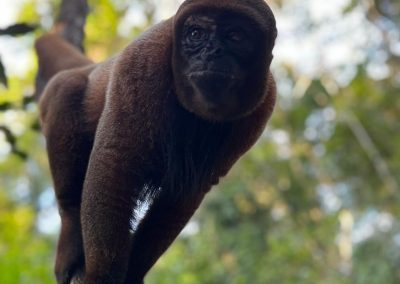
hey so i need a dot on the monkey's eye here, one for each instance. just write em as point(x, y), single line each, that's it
point(197, 34)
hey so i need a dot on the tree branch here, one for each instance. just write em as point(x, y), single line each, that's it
point(372, 152)
point(71, 20)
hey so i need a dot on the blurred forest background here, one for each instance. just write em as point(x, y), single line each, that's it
point(317, 200)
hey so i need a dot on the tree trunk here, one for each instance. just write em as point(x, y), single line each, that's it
point(72, 19)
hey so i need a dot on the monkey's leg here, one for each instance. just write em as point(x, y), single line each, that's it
point(68, 148)
point(163, 222)
point(54, 55)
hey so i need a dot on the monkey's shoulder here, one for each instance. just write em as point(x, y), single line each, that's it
point(149, 52)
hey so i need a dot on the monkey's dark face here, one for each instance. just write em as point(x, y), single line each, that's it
point(222, 65)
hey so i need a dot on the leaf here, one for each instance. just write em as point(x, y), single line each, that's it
point(5, 106)
point(3, 77)
point(18, 29)
point(27, 100)
point(12, 140)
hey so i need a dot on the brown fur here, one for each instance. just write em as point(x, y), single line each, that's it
point(116, 132)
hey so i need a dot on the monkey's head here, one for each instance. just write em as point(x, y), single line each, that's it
point(222, 51)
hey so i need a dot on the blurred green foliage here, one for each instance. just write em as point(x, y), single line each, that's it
point(25, 255)
point(315, 201)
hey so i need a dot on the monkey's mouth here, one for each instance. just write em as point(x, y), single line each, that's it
point(214, 86)
point(212, 75)
point(214, 92)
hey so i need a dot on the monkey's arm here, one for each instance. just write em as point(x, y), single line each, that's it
point(120, 157)
point(159, 228)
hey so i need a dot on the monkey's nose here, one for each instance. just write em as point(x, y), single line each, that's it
point(211, 51)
